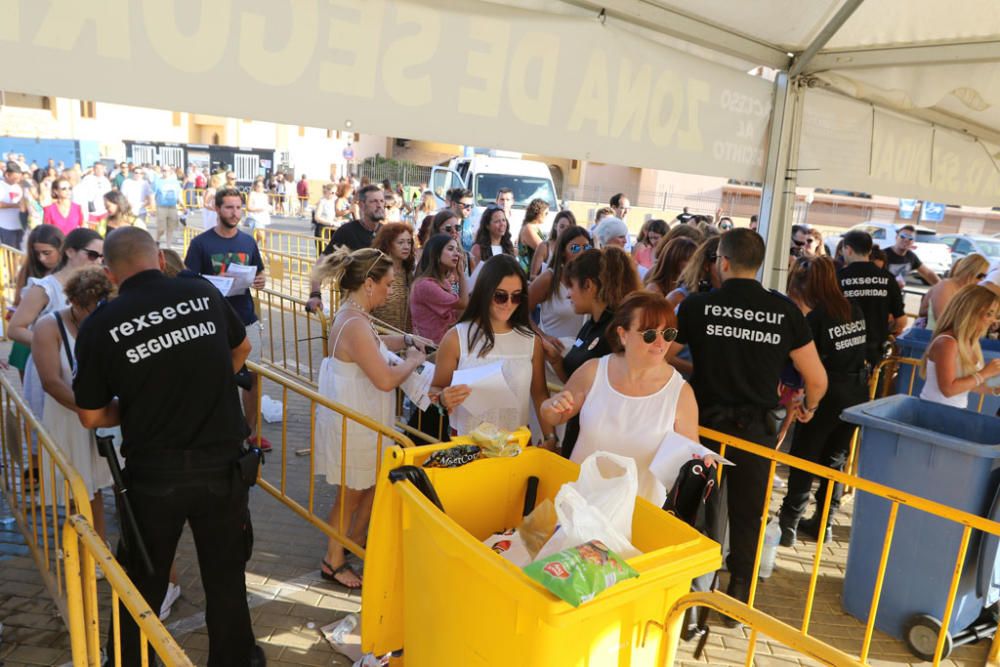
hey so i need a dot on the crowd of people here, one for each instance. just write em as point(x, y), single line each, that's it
point(648, 338)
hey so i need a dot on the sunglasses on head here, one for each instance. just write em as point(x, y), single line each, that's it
point(500, 298)
point(93, 255)
point(579, 247)
point(649, 335)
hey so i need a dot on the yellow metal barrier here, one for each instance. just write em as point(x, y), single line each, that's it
point(895, 497)
point(296, 340)
point(37, 481)
point(85, 551)
point(276, 482)
point(10, 265)
point(288, 273)
point(760, 622)
point(290, 243)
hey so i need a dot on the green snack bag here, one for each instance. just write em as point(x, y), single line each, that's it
point(579, 573)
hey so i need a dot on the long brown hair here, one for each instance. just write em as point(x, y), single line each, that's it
point(611, 270)
point(814, 281)
point(670, 261)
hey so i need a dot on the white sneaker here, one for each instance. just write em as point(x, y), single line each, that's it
point(173, 592)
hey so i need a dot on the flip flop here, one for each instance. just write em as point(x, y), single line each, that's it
point(346, 567)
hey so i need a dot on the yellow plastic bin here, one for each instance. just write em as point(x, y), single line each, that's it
point(435, 591)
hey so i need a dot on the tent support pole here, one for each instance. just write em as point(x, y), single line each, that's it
point(777, 202)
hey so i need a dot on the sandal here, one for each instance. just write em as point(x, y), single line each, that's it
point(332, 576)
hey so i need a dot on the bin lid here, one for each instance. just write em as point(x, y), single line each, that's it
point(940, 425)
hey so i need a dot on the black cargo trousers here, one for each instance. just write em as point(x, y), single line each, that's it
point(205, 490)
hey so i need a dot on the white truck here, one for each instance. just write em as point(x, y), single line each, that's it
point(484, 175)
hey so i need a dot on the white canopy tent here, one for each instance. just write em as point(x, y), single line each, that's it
point(898, 97)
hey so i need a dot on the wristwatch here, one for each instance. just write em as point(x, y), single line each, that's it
point(551, 437)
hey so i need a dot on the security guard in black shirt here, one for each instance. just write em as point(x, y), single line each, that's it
point(875, 290)
point(160, 360)
point(839, 331)
point(740, 337)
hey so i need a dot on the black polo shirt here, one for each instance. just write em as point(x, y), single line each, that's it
point(353, 235)
point(591, 343)
point(740, 336)
point(163, 347)
point(841, 345)
point(876, 291)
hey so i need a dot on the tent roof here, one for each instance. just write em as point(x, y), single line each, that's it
point(938, 61)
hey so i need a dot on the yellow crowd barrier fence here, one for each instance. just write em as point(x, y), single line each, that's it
point(296, 340)
point(40, 485)
point(85, 552)
point(351, 426)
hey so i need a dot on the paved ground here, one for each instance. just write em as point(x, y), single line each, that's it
point(290, 602)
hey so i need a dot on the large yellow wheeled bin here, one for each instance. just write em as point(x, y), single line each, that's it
point(435, 592)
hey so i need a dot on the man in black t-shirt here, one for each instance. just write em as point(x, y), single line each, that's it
point(741, 336)
point(901, 260)
point(160, 360)
point(875, 290)
point(354, 235)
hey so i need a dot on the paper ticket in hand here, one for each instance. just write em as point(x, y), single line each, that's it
point(243, 276)
point(675, 450)
point(489, 390)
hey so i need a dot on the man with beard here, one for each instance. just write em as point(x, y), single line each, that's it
point(355, 235)
point(212, 253)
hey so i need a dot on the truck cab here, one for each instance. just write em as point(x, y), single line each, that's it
point(484, 175)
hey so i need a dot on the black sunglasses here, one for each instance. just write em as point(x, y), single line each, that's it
point(798, 243)
point(466, 206)
point(500, 298)
point(980, 276)
point(448, 228)
point(93, 255)
point(649, 335)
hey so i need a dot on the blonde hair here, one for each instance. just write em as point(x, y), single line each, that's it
point(351, 269)
point(968, 269)
point(961, 320)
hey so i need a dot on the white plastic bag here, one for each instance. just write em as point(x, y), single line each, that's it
point(610, 483)
point(581, 522)
point(598, 506)
point(270, 409)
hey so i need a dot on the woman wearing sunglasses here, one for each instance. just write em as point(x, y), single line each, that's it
point(558, 323)
point(967, 271)
point(448, 222)
point(546, 251)
point(599, 281)
point(63, 212)
point(492, 237)
point(82, 247)
point(628, 401)
point(434, 305)
point(495, 327)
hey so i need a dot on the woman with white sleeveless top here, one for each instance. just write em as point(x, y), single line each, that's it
point(628, 401)
point(358, 374)
point(953, 364)
point(558, 321)
point(494, 327)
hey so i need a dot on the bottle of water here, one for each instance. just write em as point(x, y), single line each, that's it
point(772, 536)
point(344, 628)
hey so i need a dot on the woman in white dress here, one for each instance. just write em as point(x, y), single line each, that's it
point(494, 327)
point(53, 340)
point(953, 364)
point(258, 207)
point(628, 401)
point(359, 374)
point(82, 247)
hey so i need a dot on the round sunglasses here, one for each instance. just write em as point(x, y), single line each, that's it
point(649, 335)
point(501, 298)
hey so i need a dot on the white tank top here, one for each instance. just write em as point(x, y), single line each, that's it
point(515, 350)
point(631, 426)
point(932, 390)
point(557, 317)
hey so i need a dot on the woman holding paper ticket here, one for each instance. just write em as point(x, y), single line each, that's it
point(358, 374)
point(494, 332)
point(630, 401)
